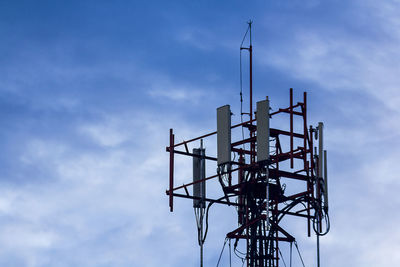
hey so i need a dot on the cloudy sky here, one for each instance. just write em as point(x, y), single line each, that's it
point(89, 90)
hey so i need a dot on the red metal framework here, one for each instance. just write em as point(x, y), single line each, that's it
point(250, 182)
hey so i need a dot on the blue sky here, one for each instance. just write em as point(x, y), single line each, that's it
point(89, 90)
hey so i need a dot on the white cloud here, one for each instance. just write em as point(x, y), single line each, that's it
point(197, 37)
point(161, 87)
point(111, 203)
point(205, 39)
point(345, 60)
point(110, 132)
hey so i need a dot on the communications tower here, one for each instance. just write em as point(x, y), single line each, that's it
point(254, 181)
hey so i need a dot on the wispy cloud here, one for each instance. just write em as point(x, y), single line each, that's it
point(163, 88)
point(345, 60)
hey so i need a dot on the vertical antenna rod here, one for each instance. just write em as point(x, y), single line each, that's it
point(250, 49)
point(252, 146)
point(251, 74)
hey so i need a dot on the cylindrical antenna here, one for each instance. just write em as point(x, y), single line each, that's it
point(171, 169)
point(320, 149)
point(326, 180)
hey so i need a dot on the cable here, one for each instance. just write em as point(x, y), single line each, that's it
point(291, 243)
point(317, 220)
point(230, 255)
point(290, 206)
point(284, 263)
point(199, 238)
point(244, 254)
point(220, 255)
point(241, 258)
point(297, 247)
point(248, 28)
point(208, 208)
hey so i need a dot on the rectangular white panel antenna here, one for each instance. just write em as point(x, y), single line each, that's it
point(223, 135)
point(262, 130)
